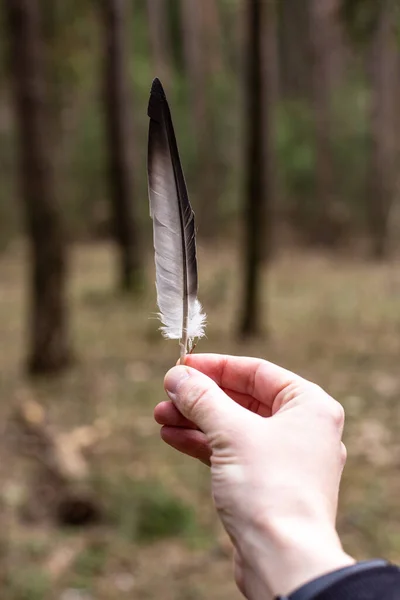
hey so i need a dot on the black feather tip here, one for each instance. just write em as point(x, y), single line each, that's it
point(156, 101)
point(157, 89)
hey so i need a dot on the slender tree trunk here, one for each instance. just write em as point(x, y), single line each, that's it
point(212, 141)
point(212, 25)
point(294, 35)
point(340, 53)
point(271, 97)
point(49, 348)
point(384, 70)
point(257, 169)
point(192, 31)
point(323, 230)
point(200, 79)
point(159, 39)
point(118, 127)
point(57, 90)
point(52, 31)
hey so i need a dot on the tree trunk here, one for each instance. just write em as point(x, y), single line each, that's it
point(200, 77)
point(55, 90)
point(271, 96)
point(159, 40)
point(49, 349)
point(257, 169)
point(384, 69)
point(294, 49)
point(118, 128)
point(323, 50)
point(212, 26)
point(192, 31)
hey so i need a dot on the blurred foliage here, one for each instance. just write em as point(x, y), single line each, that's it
point(351, 142)
point(90, 562)
point(74, 62)
point(33, 584)
point(145, 511)
point(360, 18)
point(296, 157)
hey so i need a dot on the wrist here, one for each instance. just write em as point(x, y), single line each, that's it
point(294, 553)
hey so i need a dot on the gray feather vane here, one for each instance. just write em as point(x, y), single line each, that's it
point(173, 229)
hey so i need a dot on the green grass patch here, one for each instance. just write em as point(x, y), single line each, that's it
point(26, 583)
point(148, 511)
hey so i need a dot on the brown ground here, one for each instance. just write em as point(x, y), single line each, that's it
point(334, 321)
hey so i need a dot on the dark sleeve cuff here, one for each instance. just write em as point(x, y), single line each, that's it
point(377, 578)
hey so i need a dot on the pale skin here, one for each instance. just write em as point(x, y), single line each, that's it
point(273, 442)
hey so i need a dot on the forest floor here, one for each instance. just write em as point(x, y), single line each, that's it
point(335, 321)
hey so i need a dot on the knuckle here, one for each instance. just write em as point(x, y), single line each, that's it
point(317, 389)
point(327, 407)
point(290, 392)
point(332, 408)
point(313, 390)
point(334, 412)
point(343, 455)
point(337, 412)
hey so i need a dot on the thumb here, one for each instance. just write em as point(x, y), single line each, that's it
point(201, 400)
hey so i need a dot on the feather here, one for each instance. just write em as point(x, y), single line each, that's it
point(173, 229)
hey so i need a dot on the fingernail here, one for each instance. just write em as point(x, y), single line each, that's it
point(173, 380)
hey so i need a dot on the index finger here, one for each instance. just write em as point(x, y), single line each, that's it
point(255, 377)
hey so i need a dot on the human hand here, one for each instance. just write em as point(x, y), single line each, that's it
point(273, 441)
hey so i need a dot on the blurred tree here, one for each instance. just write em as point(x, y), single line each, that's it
point(270, 66)
point(323, 49)
point(52, 33)
point(120, 156)
point(70, 32)
point(294, 49)
point(257, 166)
point(296, 29)
point(159, 39)
point(174, 24)
point(360, 18)
point(384, 68)
point(49, 348)
point(193, 38)
point(212, 26)
point(202, 54)
point(67, 32)
point(57, 85)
